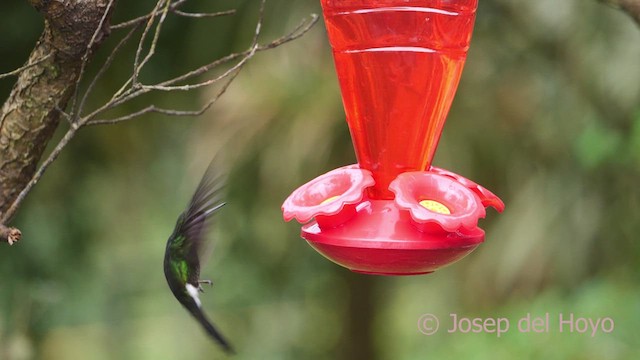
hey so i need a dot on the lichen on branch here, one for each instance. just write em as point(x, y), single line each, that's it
point(30, 114)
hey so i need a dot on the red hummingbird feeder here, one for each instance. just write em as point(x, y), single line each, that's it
point(398, 63)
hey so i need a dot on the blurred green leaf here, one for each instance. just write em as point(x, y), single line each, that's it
point(597, 144)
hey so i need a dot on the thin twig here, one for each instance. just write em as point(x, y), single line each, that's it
point(65, 115)
point(38, 174)
point(85, 57)
point(105, 66)
point(298, 31)
point(171, 112)
point(133, 89)
point(143, 18)
point(154, 41)
point(167, 85)
point(70, 133)
point(201, 70)
point(204, 15)
point(249, 55)
point(137, 64)
point(9, 234)
point(133, 79)
point(25, 67)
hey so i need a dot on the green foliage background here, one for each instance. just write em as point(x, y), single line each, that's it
point(547, 116)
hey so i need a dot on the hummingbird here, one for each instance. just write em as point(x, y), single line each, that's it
point(185, 247)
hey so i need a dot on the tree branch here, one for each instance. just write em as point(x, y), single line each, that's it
point(13, 193)
point(204, 15)
point(51, 79)
point(29, 116)
point(9, 234)
point(143, 18)
point(25, 67)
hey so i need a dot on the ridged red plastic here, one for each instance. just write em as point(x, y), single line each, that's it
point(398, 63)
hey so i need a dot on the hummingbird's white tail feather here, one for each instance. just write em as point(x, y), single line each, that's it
point(194, 293)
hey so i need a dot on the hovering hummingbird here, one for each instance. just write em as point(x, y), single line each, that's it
point(185, 246)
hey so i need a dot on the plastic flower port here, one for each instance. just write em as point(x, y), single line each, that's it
point(330, 198)
point(487, 197)
point(437, 202)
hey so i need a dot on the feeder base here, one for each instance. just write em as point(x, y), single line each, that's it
point(390, 274)
point(381, 240)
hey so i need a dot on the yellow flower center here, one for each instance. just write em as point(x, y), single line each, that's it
point(331, 199)
point(435, 206)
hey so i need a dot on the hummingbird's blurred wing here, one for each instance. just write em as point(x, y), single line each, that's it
point(197, 218)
